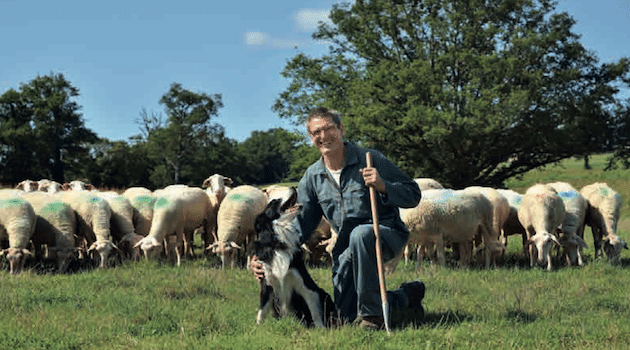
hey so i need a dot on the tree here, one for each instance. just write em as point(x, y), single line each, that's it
point(41, 123)
point(268, 155)
point(188, 124)
point(467, 92)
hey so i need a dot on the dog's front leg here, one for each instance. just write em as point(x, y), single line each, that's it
point(266, 301)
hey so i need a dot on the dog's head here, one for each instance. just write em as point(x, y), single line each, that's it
point(274, 226)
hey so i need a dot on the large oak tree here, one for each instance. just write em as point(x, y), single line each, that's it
point(467, 92)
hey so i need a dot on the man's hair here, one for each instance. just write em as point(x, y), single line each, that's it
point(323, 112)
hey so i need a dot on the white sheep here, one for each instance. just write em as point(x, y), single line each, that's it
point(217, 187)
point(77, 185)
point(177, 211)
point(572, 229)
point(122, 228)
point(55, 228)
point(49, 186)
point(449, 216)
point(142, 200)
point(94, 222)
point(235, 221)
point(27, 186)
point(604, 205)
point(17, 225)
point(541, 213)
point(512, 226)
point(427, 183)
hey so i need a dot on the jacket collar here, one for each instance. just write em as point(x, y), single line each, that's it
point(352, 157)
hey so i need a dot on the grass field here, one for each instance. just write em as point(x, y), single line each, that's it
point(155, 305)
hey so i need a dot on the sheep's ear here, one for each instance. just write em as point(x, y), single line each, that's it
point(227, 181)
point(20, 185)
point(206, 182)
point(234, 245)
point(89, 187)
point(65, 186)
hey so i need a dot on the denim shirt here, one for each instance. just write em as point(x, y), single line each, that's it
point(347, 205)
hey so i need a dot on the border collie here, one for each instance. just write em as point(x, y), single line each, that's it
point(287, 286)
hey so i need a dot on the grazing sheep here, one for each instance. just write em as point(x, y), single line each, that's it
point(216, 187)
point(235, 221)
point(572, 229)
point(27, 186)
point(93, 217)
point(55, 228)
point(541, 213)
point(604, 205)
point(449, 216)
point(17, 225)
point(142, 201)
point(177, 211)
point(121, 225)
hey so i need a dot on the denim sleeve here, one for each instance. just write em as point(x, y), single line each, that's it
point(402, 191)
point(310, 208)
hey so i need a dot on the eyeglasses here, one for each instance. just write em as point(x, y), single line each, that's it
point(322, 130)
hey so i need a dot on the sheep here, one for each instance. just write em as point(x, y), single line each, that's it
point(512, 226)
point(55, 228)
point(235, 221)
point(122, 229)
point(500, 210)
point(426, 183)
point(177, 211)
point(27, 186)
point(49, 186)
point(604, 205)
point(449, 216)
point(541, 213)
point(94, 217)
point(142, 200)
point(572, 229)
point(17, 226)
point(77, 185)
point(216, 188)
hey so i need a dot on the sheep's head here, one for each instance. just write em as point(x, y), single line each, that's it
point(216, 184)
point(612, 246)
point(540, 246)
point(104, 249)
point(150, 246)
point(572, 245)
point(16, 258)
point(227, 251)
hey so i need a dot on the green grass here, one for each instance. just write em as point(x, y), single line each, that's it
point(155, 305)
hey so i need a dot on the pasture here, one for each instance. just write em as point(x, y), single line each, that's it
point(156, 305)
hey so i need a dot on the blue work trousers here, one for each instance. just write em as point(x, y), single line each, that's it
point(355, 273)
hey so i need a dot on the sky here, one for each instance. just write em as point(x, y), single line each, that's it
point(124, 55)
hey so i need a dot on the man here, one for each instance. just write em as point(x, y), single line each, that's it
point(336, 186)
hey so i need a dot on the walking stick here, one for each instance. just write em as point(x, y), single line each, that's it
point(379, 255)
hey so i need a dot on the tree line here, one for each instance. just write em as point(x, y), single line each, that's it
point(466, 92)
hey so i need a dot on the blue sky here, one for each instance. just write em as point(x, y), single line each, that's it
point(124, 55)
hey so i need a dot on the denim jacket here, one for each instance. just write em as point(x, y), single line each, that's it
point(348, 205)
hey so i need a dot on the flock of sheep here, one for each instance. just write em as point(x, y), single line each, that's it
point(476, 222)
point(46, 220)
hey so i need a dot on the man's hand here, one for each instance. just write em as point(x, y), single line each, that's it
point(373, 179)
point(257, 268)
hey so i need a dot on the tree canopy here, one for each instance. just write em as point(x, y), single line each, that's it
point(42, 135)
point(467, 92)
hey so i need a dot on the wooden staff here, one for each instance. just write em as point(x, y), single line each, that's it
point(379, 255)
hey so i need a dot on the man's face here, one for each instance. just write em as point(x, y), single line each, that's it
point(325, 135)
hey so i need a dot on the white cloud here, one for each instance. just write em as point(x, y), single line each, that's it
point(308, 19)
point(256, 38)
